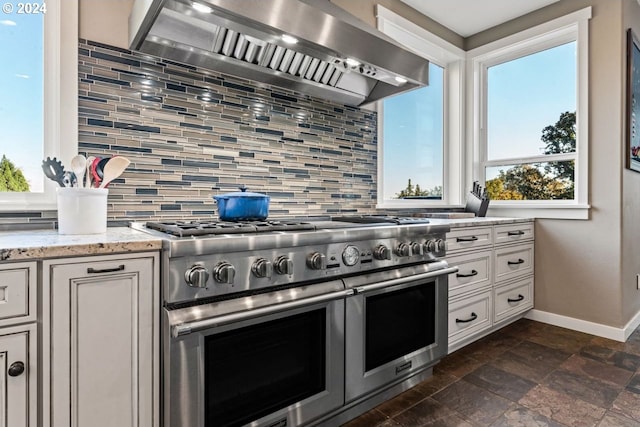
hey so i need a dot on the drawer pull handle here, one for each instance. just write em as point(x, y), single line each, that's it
point(471, 319)
point(515, 233)
point(92, 270)
point(16, 369)
point(519, 261)
point(466, 239)
point(473, 273)
point(520, 298)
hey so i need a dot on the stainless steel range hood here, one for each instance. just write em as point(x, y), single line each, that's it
point(336, 57)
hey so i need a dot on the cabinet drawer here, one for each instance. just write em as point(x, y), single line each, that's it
point(469, 315)
point(513, 233)
point(17, 292)
point(513, 261)
point(469, 238)
point(474, 272)
point(513, 298)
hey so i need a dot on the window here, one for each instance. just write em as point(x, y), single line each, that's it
point(413, 139)
point(420, 132)
point(38, 109)
point(530, 119)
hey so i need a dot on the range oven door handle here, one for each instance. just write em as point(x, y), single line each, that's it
point(186, 328)
point(403, 280)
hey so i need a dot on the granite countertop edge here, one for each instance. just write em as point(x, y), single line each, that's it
point(43, 244)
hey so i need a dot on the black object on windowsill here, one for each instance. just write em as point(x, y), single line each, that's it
point(477, 200)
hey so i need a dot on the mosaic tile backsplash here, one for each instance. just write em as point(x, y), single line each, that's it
point(192, 133)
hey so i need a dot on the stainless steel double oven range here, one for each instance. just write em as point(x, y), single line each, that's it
point(292, 323)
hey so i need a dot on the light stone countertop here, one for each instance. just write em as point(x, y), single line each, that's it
point(478, 221)
point(39, 244)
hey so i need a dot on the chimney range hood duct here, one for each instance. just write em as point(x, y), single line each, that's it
point(333, 55)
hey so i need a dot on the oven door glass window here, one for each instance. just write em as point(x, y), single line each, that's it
point(398, 323)
point(255, 370)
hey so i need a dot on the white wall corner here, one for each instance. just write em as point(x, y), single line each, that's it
point(605, 331)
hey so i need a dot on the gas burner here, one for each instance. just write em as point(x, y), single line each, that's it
point(380, 219)
point(205, 228)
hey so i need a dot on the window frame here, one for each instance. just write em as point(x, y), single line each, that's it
point(568, 28)
point(60, 101)
point(452, 60)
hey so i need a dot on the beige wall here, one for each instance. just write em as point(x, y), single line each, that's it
point(105, 21)
point(630, 192)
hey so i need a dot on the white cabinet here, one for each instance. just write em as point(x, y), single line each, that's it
point(18, 345)
point(18, 378)
point(101, 341)
point(494, 283)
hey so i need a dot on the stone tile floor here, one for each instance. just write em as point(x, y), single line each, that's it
point(526, 374)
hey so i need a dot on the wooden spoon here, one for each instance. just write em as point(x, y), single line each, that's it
point(113, 169)
point(78, 166)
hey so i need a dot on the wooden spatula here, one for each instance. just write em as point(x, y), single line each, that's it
point(113, 169)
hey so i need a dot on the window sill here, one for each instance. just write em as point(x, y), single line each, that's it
point(416, 204)
point(542, 210)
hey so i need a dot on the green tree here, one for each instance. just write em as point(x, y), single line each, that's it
point(527, 182)
point(561, 138)
point(11, 178)
point(553, 181)
point(417, 191)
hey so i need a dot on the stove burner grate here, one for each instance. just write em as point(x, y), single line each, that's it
point(205, 228)
point(380, 219)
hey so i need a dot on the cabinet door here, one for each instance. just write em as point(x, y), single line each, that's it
point(18, 377)
point(104, 353)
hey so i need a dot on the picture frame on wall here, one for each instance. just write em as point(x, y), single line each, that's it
point(633, 102)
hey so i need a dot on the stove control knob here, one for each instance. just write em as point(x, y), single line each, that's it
point(317, 261)
point(441, 245)
point(403, 250)
point(382, 252)
point(416, 248)
point(284, 265)
point(196, 276)
point(262, 268)
point(224, 273)
point(430, 246)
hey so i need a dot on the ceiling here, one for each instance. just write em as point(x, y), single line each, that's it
point(468, 17)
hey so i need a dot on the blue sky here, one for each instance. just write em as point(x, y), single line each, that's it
point(21, 93)
point(412, 133)
point(525, 96)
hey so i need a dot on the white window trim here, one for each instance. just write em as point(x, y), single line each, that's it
point(452, 60)
point(573, 26)
point(60, 100)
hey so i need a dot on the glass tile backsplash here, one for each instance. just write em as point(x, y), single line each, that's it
point(192, 133)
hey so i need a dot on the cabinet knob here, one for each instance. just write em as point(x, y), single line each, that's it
point(16, 369)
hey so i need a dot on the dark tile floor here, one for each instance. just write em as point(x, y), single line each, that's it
point(526, 374)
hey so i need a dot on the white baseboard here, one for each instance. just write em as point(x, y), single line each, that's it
point(605, 331)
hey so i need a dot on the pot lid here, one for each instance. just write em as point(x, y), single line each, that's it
point(242, 193)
